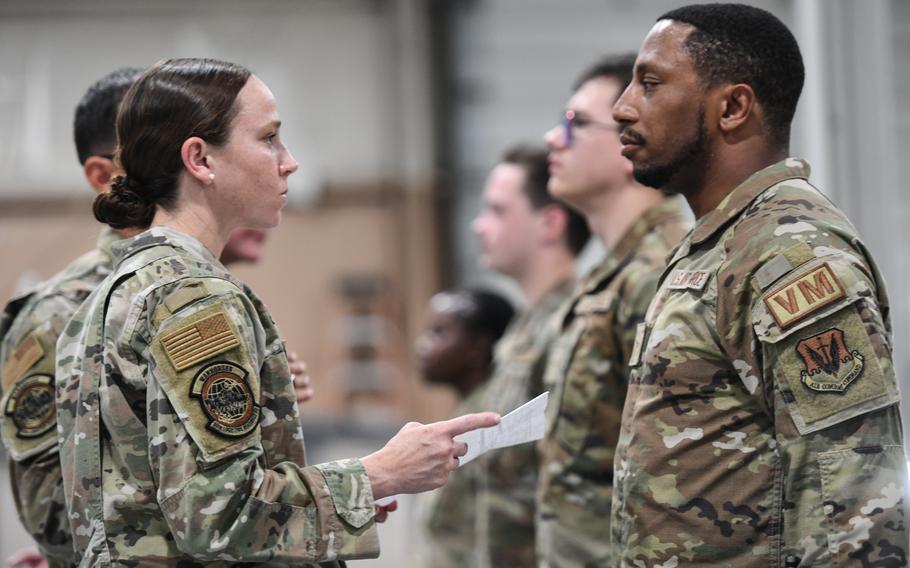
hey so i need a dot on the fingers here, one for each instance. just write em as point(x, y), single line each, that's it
point(460, 449)
point(469, 422)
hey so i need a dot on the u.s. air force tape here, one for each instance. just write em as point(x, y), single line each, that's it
point(225, 396)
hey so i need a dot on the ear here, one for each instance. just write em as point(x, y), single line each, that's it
point(480, 352)
point(194, 154)
point(737, 106)
point(554, 221)
point(98, 172)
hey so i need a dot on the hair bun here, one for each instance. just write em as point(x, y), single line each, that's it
point(126, 205)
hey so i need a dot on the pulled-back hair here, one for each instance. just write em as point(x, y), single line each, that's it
point(172, 101)
point(735, 43)
point(94, 123)
point(535, 162)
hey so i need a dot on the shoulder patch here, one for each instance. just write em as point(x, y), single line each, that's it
point(226, 398)
point(176, 300)
point(830, 365)
point(688, 279)
point(24, 356)
point(202, 339)
point(31, 406)
point(803, 295)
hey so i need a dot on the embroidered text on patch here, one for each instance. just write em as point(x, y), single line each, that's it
point(809, 293)
point(830, 365)
point(226, 399)
point(199, 341)
point(31, 406)
point(688, 279)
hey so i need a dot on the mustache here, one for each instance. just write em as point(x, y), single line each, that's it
point(628, 135)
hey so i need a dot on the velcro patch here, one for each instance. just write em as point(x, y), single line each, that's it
point(224, 393)
point(26, 354)
point(830, 366)
point(199, 341)
point(804, 295)
point(31, 406)
point(688, 279)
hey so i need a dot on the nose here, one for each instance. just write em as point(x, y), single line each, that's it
point(555, 137)
point(290, 164)
point(623, 111)
point(477, 225)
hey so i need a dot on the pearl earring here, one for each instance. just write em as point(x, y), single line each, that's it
point(211, 176)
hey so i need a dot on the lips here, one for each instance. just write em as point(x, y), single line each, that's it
point(630, 141)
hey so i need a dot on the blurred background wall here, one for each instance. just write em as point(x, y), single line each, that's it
point(396, 110)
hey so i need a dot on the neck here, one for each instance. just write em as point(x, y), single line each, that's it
point(127, 233)
point(548, 269)
point(467, 384)
point(614, 212)
point(728, 170)
point(195, 217)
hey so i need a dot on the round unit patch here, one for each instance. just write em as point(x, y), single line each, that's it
point(31, 406)
point(226, 399)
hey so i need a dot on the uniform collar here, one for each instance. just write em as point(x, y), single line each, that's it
point(667, 210)
point(106, 240)
point(745, 193)
point(157, 236)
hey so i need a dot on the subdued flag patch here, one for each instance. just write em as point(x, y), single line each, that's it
point(806, 294)
point(199, 341)
point(26, 354)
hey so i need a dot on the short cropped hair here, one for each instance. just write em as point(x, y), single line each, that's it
point(94, 125)
point(618, 67)
point(735, 43)
point(535, 162)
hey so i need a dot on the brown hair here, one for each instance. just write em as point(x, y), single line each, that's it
point(535, 161)
point(173, 100)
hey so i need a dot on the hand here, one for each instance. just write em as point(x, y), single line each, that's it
point(382, 511)
point(28, 558)
point(421, 456)
point(300, 377)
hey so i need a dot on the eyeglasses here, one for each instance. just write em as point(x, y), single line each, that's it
point(570, 122)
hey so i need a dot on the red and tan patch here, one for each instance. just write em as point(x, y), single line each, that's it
point(830, 366)
point(804, 295)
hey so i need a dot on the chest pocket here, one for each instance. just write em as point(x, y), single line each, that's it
point(586, 357)
point(825, 345)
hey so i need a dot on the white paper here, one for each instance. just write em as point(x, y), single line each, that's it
point(524, 424)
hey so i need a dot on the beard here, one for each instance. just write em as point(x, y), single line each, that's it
point(659, 176)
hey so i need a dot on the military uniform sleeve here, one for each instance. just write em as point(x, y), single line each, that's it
point(827, 371)
point(29, 426)
point(220, 498)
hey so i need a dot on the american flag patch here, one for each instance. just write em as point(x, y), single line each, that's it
point(199, 341)
point(26, 354)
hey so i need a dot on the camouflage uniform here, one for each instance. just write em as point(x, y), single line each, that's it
point(508, 477)
point(450, 510)
point(180, 437)
point(29, 330)
point(761, 427)
point(587, 376)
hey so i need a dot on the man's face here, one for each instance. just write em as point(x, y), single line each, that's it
point(592, 163)
point(507, 226)
point(662, 112)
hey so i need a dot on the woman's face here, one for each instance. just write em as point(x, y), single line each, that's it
point(252, 168)
point(444, 348)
